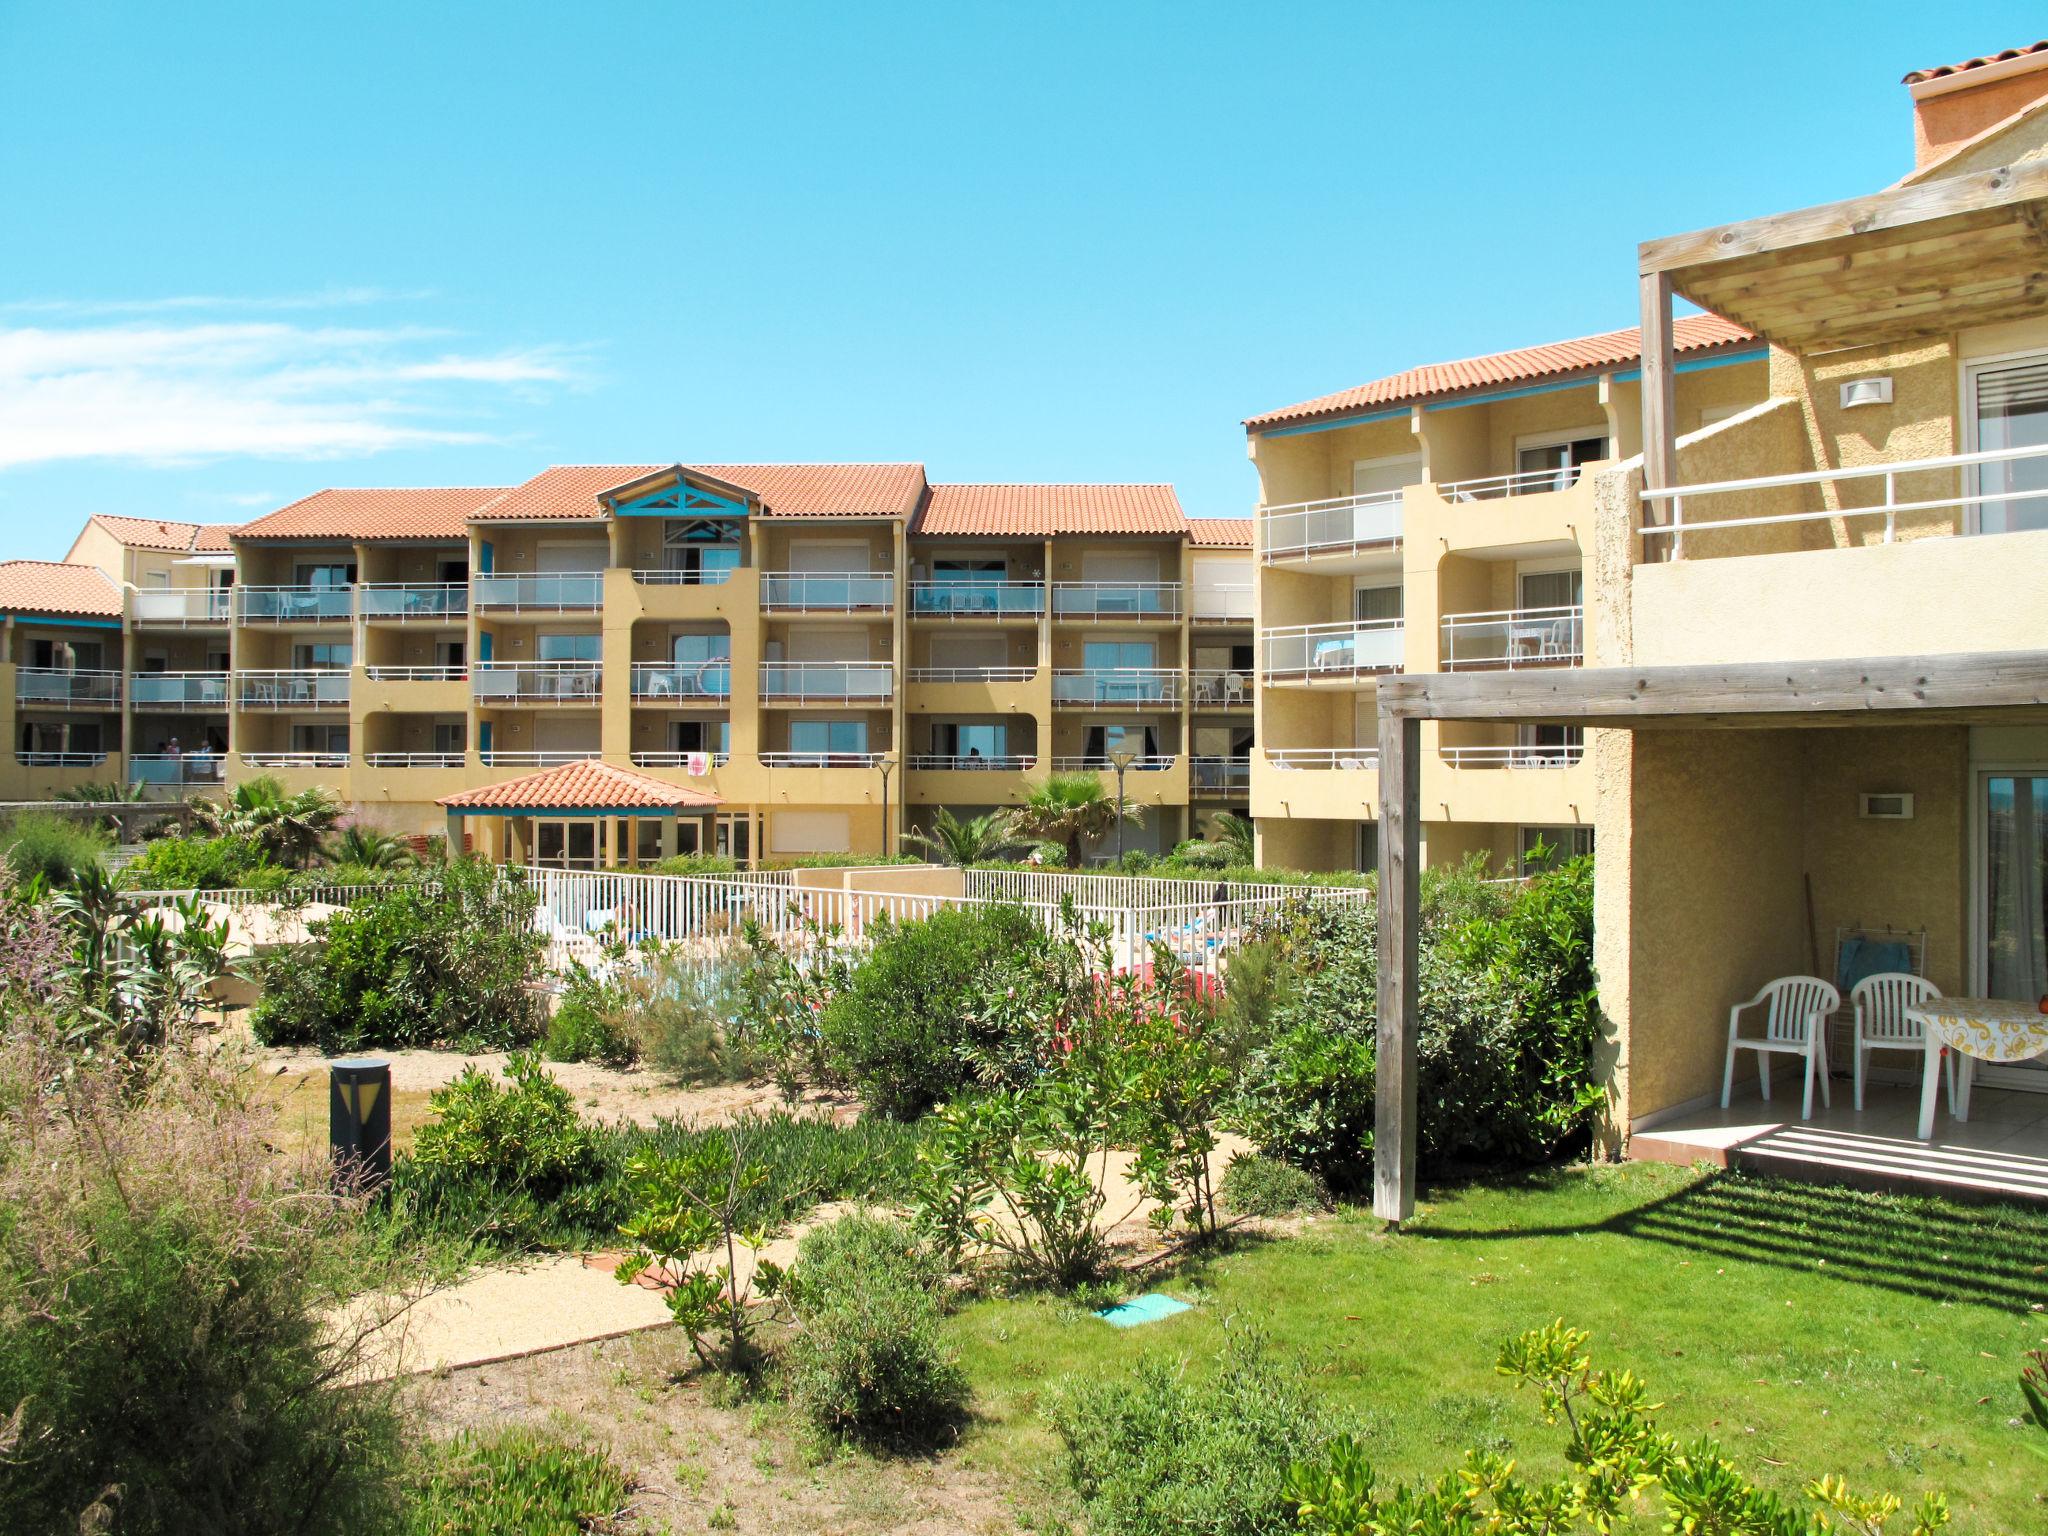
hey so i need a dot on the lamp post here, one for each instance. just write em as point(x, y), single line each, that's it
point(1121, 760)
point(887, 764)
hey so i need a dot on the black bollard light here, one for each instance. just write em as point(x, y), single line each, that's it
point(359, 1124)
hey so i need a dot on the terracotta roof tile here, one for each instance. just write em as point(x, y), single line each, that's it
point(1610, 349)
point(1220, 532)
point(569, 492)
point(590, 785)
point(51, 586)
point(1918, 75)
point(1045, 511)
point(214, 539)
point(433, 513)
point(155, 533)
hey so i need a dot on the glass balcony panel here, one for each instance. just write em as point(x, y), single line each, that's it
point(436, 600)
point(1116, 599)
point(827, 680)
point(1113, 686)
point(547, 592)
point(977, 599)
point(1513, 638)
point(825, 591)
point(179, 690)
point(1333, 650)
point(709, 679)
point(55, 685)
point(292, 690)
point(294, 605)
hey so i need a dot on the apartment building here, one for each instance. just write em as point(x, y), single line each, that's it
point(1441, 520)
point(814, 656)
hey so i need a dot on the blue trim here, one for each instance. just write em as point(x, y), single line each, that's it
point(1700, 364)
point(52, 622)
point(1336, 424)
point(1589, 381)
point(484, 637)
point(683, 499)
point(483, 738)
point(484, 554)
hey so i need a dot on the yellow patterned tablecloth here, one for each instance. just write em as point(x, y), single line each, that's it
point(1988, 1028)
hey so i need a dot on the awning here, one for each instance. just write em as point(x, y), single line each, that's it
point(212, 562)
point(588, 788)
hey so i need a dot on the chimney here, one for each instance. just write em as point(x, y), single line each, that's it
point(1956, 102)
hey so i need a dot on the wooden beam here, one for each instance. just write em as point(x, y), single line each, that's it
point(1400, 913)
point(1898, 208)
point(1660, 409)
point(1627, 696)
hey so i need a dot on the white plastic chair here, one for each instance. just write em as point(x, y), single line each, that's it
point(1880, 1003)
point(1796, 1024)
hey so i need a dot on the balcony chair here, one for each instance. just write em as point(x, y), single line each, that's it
point(1795, 1024)
point(1880, 1003)
point(1233, 688)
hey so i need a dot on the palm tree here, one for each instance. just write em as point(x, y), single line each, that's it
point(367, 848)
point(288, 827)
point(978, 840)
point(1069, 809)
point(1235, 833)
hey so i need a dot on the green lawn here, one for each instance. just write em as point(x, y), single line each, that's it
point(1812, 1330)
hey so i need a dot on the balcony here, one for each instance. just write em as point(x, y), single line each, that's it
point(703, 576)
point(1529, 482)
point(548, 592)
point(1341, 525)
point(827, 592)
point(1101, 764)
point(295, 605)
point(295, 759)
point(827, 682)
point(415, 759)
point(176, 770)
point(550, 759)
point(1350, 759)
point(1215, 688)
point(441, 602)
point(1513, 639)
point(448, 674)
point(931, 762)
point(59, 688)
point(1229, 603)
point(178, 690)
point(661, 684)
point(1219, 775)
point(1332, 652)
point(537, 682)
point(971, 674)
point(180, 607)
point(1117, 688)
point(308, 688)
point(1513, 757)
point(1116, 599)
point(686, 760)
point(29, 759)
point(977, 599)
point(822, 759)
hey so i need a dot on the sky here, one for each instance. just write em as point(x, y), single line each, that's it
point(250, 251)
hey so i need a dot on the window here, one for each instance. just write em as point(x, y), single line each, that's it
point(327, 576)
point(323, 656)
point(1116, 655)
point(1553, 589)
point(1370, 477)
point(156, 581)
point(572, 647)
point(688, 650)
point(1561, 455)
point(699, 546)
point(951, 739)
point(1376, 605)
point(1102, 740)
point(828, 737)
point(734, 838)
point(1547, 847)
point(2009, 409)
point(450, 736)
point(700, 736)
point(331, 740)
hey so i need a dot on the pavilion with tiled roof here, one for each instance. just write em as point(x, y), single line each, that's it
point(590, 797)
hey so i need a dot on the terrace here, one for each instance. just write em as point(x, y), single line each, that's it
point(827, 592)
point(56, 687)
point(1331, 652)
point(292, 688)
point(291, 605)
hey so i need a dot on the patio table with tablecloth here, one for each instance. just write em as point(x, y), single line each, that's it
point(1996, 1029)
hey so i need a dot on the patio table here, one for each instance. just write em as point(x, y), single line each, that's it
point(1976, 1029)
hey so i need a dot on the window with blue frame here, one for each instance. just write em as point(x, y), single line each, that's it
point(1116, 655)
point(828, 737)
point(572, 647)
point(701, 547)
point(970, 741)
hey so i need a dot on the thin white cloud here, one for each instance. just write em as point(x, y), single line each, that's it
point(164, 392)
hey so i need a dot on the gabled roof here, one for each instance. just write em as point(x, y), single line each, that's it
point(430, 513)
point(157, 533)
point(55, 587)
point(1220, 532)
point(1584, 354)
point(1045, 511)
point(1939, 70)
point(591, 785)
point(570, 492)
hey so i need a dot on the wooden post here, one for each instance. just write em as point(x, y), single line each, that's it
point(1660, 439)
point(1393, 1196)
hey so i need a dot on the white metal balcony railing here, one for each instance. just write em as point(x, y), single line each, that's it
point(442, 601)
point(827, 591)
point(553, 758)
point(1218, 688)
point(448, 674)
point(1113, 687)
point(546, 592)
point(1332, 650)
point(821, 759)
point(1513, 757)
point(938, 762)
point(1513, 638)
point(1219, 774)
point(416, 759)
point(181, 605)
point(1338, 525)
point(33, 759)
point(295, 759)
point(1528, 482)
point(294, 605)
point(1292, 759)
point(680, 759)
point(1970, 473)
point(178, 690)
point(177, 768)
point(58, 686)
point(977, 599)
point(971, 674)
point(549, 682)
point(1101, 764)
point(827, 681)
point(710, 679)
point(1116, 599)
point(317, 688)
point(703, 576)
point(1226, 604)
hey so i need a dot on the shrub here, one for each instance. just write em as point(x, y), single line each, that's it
point(1169, 1451)
point(1308, 1099)
point(55, 848)
point(676, 1019)
point(962, 996)
point(692, 864)
point(868, 1360)
point(581, 1027)
point(1265, 1186)
point(164, 1357)
point(838, 860)
point(198, 863)
point(512, 1483)
point(457, 960)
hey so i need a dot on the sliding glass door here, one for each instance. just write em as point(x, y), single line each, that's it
point(2012, 894)
point(2008, 409)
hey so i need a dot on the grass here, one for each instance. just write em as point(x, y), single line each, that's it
point(513, 1483)
point(1811, 1330)
point(300, 1099)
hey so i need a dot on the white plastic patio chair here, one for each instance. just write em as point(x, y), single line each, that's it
point(1880, 1003)
point(1795, 1024)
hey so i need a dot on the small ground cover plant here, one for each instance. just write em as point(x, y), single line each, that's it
point(516, 1482)
point(1265, 1186)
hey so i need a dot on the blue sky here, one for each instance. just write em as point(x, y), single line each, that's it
point(248, 251)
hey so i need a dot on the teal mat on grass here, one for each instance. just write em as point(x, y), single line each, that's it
point(1149, 1308)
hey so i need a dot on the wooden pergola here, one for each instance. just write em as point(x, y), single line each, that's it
point(2008, 687)
point(1899, 265)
